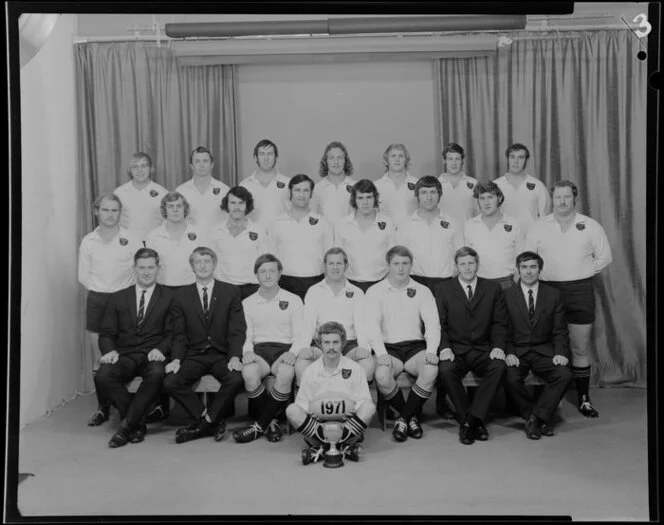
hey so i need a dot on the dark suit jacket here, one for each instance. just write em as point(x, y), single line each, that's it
point(120, 331)
point(548, 335)
point(225, 330)
point(480, 324)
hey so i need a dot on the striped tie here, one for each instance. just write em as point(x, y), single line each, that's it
point(470, 293)
point(141, 308)
point(205, 300)
point(531, 306)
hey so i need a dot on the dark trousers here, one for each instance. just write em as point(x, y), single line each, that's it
point(299, 285)
point(451, 374)
point(363, 285)
point(192, 368)
point(557, 380)
point(111, 381)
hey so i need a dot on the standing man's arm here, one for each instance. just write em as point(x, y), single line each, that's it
point(543, 200)
point(602, 256)
point(561, 343)
point(373, 318)
point(237, 325)
point(297, 329)
point(429, 314)
point(444, 346)
point(108, 333)
point(359, 312)
point(179, 327)
point(84, 266)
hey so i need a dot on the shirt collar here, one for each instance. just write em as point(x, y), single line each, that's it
point(148, 290)
point(464, 284)
point(534, 288)
point(210, 286)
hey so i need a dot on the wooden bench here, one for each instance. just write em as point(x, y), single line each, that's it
point(406, 381)
point(205, 385)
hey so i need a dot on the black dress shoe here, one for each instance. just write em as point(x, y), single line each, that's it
point(196, 430)
point(532, 428)
point(99, 416)
point(120, 438)
point(546, 429)
point(219, 430)
point(415, 428)
point(481, 433)
point(157, 414)
point(137, 435)
point(466, 433)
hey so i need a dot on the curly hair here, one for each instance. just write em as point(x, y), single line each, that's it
point(324, 168)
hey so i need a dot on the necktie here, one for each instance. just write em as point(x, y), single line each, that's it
point(531, 306)
point(470, 293)
point(205, 300)
point(141, 308)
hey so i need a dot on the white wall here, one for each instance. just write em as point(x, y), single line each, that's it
point(366, 106)
point(51, 320)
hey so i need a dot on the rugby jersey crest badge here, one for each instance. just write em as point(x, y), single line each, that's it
point(411, 292)
point(283, 304)
point(508, 227)
point(216, 191)
point(350, 293)
point(445, 224)
point(346, 372)
point(470, 185)
point(580, 226)
point(381, 225)
point(124, 242)
point(349, 188)
point(192, 236)
point(253, 236)
point(153, 193)
point(530, 185)
point(411, 186)
point(313, 221)
point(280, 184)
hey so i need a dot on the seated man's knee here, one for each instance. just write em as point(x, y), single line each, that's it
point(383, 375)
point(170, 384)
point(428, 373)
point(155, 370)
point(446, 369)
point(497, 366)
point(512, 376)
point(366, 412)
point(295, 414)
point(251, 373)
point(563, 372)
point(285, 373)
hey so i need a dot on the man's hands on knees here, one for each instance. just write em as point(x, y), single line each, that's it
point(446, 354)
point(497, 353)
point(248, 358)
point(156, 355)
point(173, 366)
point(288, 358)
point(110, 358)
point(383, 359)
point(512, 360)
point(235, 364)
point(560, 360)
point(430, 358)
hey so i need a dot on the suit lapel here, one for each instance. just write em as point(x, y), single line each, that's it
point(197, 301)
point(216, 289)
point(153, 300)
point(539, 304)
point(461, 293)
point(132, 307)
point(479, 293)
point(520, 300)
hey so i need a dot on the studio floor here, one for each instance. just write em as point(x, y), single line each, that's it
point(590, 470)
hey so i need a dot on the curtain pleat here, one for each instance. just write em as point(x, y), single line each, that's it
point(579, 104)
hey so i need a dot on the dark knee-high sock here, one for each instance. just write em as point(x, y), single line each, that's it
point(353, 428)
point(395, 399)
point(274, 402)
point(416, 400)
point(312, 430)
point(257, 399)
point(582, 381)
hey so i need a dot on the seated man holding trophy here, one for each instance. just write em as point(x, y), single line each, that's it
point(333, 406)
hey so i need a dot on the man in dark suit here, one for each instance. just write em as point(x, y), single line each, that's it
point(539, 341)
point(135, 339)
point(473, 321)
point(209, 332)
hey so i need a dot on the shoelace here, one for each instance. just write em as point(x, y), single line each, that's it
point(255, 428)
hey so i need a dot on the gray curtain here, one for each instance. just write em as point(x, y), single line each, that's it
point(136, 97)
point(578, 101)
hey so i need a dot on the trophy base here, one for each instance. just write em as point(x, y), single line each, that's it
point(333, 461)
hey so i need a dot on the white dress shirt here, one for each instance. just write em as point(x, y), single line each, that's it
point(465, 285)
point(107, 266)
point(269, 201)
point(397, 203)
point(209, 287)
point(527, 203)
point(458, 202)
point(277, 320)
point(497, 248)
point(332, 201)
point(534, 288)
point(366, 249)
point(148, 295)
point(236, 255)
point(322, 305)
point(395, 315)
point(174, 267)
point(204, 208)
point(300, 245)
point(141, 209)
point(433, 244)
point(578, 253)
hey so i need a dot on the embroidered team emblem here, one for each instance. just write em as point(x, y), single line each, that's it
point(350, 293)
point(216, 191)
point(346, 372)
point(124, 242)
point(313, 221)
point(253, 236)
point(411, 292)
point(349, 189)
point(470, 185)
point(280, 185)
point(530, 185)
point(192, 236)
point(580, 226)
point(508, 227)
point(411, 186)
point(283, 304)
point(381, 225)
point(153, 193)
point(445, 224)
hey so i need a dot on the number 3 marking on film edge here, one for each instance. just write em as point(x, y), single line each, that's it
point(645, 26)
